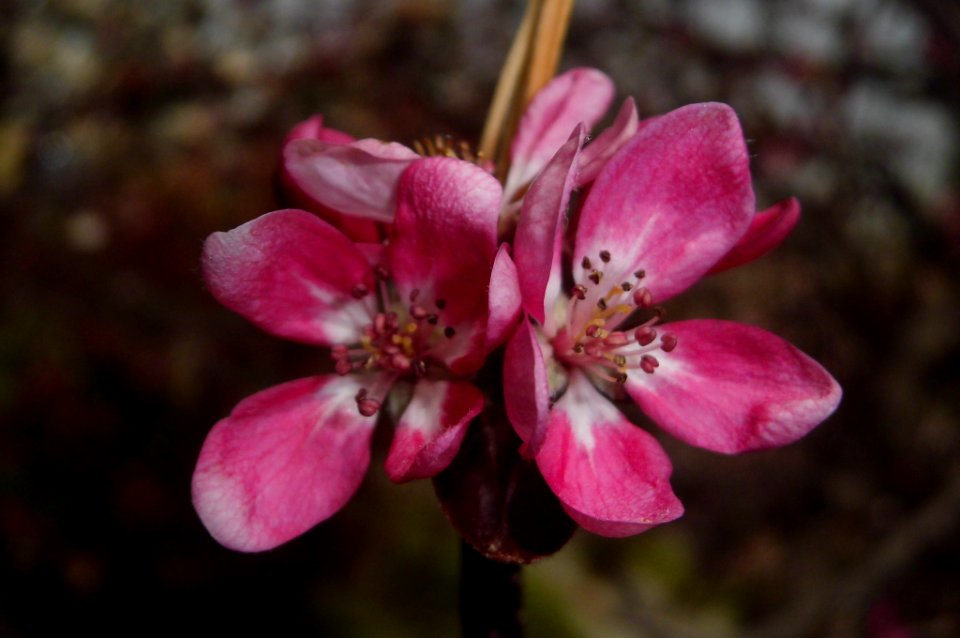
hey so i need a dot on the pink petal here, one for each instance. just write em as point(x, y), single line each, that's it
point(575, 97)
point(538, 240)
point(671, 202)
point(291, 274)
point(730, 387)
point(443, 244)
point(504, 298)
point(313, 129)
point(612, 477)
point(285, 459)
point(526, 389)
point(356, 179)
point(355, 228)
point(767, 230)
point(597, 152)
point(431, 429)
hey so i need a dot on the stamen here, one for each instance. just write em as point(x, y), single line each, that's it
point(640, 274)
point(626, 286)
point(649, 363)
point(580, 292)
point(360, 291)
point(586, 263)
point(441, 304)
point(605, 256)
point(448, 332)
point(595, 276)
point(668, 342)
point(602, 304)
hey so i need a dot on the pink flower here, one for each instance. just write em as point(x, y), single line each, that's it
point(412, 316)
point(663, 207)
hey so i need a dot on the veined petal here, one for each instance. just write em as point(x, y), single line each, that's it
point(356, 179)
point(730, 387)
point(526, 389)
point(356, 228)
point(431, 428)
point(538, 240)
point(291, 274)
point(612, 477)
point(575, 97)
point(671, 202)
point(597, 152)
point(443, 244)
point(285, 459)
point(767, 230)
point(503, 299)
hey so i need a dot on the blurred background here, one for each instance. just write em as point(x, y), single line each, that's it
point(131, 130)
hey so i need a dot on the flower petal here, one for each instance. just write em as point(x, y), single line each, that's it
point(767, 230)
point(504, 298)
point(285, 459)
point(443, 244)
point(431, 428)
point(526, 389)
point(596, 154)
point(729, 387)
point(538, 240)
point(356, 179)
point(312, 128)
point(291, 274)
point(612, 477)
point(672, 202)
point(577, 96)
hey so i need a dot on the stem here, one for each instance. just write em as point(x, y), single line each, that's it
point(491, 597)
point(531, 63)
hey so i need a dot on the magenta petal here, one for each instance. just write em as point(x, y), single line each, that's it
point(538, 240)
point(730, 387)
point(575, 97)
point(612, 477)
point(313, 129)
point(291, 274)
point(503, 299)
point(443, 244)
point(431, 428)
point(285, 459)
point(596, 154)
point(526, 391)
point(356, 179)
point(768, 228)
point(672, 201)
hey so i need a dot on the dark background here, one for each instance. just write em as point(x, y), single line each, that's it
point(131, 130)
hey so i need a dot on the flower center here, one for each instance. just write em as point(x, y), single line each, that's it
point(448, 146)
point(398, 341)
point(592, 339)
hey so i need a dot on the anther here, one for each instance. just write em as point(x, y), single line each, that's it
point(433, 319)
point(642, 298)
point(620, 378)
point(382, 272)
point(448, 332)
point(586, 263)
point(580, 291)
point(414, 294)
point(640, 274)
point(420, 367)
point(343, 367)
point(602, 304)
point(649, 363)
point(368, 407)
point(441, 303)
point(626, 286)
point(360, 291)
point(645, 335)
point(668, 342)
point(595, 276)
point(578, 348)
point(418, 312)
point(605, 256)
point(592, 330)
point(619, 360)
